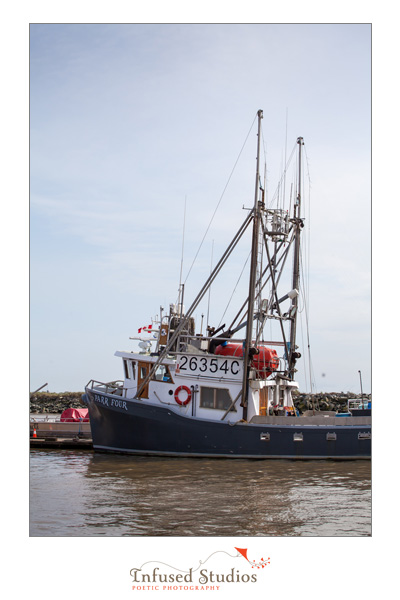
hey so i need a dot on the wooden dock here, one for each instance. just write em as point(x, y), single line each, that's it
point(49, 433)
point(57, 443)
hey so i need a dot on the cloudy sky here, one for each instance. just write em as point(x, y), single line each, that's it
point(130, 123)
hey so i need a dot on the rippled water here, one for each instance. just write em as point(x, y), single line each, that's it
point(78, 493)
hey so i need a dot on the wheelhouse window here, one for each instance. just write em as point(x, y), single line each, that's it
point(126, 370)
point(129, 369)
point(162, 374)
point(216, 398)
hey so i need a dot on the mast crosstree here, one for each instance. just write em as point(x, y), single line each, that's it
point(253, 274)
point(274, 224)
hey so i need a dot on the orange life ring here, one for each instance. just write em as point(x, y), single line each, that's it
point(189, 395)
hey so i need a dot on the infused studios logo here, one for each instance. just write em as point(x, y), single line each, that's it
point(159, 576)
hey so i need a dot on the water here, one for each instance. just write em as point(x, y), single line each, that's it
point(78, 493)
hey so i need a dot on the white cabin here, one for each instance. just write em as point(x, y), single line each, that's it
point(203, 385)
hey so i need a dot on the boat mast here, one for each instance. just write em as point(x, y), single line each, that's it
point(362, 395)
point(297, 224)
point(253, 275)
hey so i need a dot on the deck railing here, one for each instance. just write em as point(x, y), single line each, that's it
point(111, 387)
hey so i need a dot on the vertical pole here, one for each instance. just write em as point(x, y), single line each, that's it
point(209, 289)
point(253, 275)
point(296, 269)
point(183, 243)
point(361, 385)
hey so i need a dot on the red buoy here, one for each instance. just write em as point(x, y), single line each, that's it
point(265, 362)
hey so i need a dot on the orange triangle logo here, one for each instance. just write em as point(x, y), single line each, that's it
point(243, 552)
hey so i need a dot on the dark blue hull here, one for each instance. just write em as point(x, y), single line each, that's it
point(140, 428)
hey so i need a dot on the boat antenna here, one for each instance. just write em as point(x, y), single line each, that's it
point(253, 275)
point(209, 289)
point(284, 174)
point(183, 243)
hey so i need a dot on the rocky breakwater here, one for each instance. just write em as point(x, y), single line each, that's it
point(47, 402)
point(332, 401)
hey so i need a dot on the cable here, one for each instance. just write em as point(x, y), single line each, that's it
point(234, 289)
point(222, 195)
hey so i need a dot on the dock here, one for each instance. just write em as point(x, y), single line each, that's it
point(57, 443)
point(47, 431)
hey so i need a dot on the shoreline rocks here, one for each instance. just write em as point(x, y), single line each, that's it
point(46, 402)
point(332, 401)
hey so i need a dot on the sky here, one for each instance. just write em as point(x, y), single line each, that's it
point(133, 126)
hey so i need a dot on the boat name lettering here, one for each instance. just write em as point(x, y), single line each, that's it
point(113, 401)
point(204, 364)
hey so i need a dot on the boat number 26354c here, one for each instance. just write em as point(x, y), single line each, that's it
point(202, 364)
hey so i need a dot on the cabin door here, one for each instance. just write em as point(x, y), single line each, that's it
point(263, 401)
point(163, 335)
point(143, 371)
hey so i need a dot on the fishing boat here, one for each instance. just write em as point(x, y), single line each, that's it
point(228, 393)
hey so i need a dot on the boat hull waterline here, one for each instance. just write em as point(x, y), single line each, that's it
point(135, 427)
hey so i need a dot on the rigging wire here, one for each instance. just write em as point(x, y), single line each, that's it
point(234, 289)
point(305, 288)
point(222, 195)
point(308, 238)
point(306, 314)
point(303, 346)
